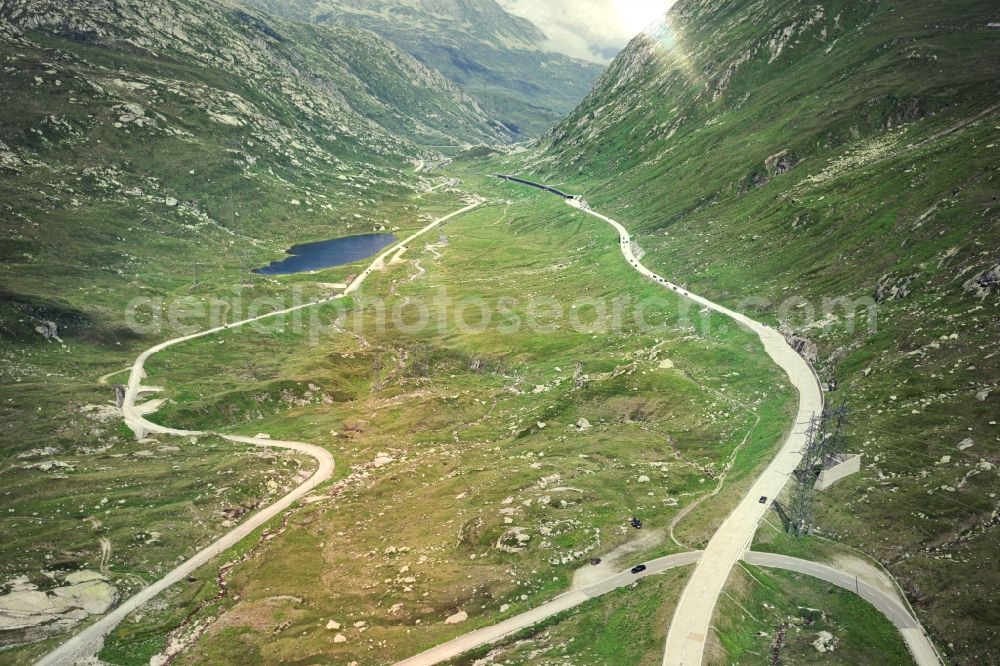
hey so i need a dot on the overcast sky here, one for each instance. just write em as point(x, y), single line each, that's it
point(591, 29)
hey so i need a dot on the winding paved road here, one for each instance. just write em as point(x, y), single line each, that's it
point(889, 604)
point(686, 636)
point(570, 599)
point(89, 641)
point(692, 619)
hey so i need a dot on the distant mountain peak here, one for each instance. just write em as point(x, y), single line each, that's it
point(503, 61)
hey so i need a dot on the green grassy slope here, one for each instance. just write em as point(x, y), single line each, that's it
point(138, 144)
point(770, 616)
point(470, 453)
point(788, 153)
point(624, 628)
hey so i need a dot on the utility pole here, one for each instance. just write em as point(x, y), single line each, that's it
point(834, 442)
point(824, 439)
point(800, 510)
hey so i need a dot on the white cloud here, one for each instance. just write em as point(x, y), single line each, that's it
point(590, 29)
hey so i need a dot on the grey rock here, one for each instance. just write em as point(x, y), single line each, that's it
point(985, 283)
point(805, 347)
point(48, 330)
point(891, 288)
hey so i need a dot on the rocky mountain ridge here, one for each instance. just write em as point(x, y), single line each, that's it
point(339, 71)
point(498, 58)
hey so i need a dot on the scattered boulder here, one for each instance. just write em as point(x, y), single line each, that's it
point(48, 330)
point(101, 413)
point(583, 424)
point(332, 625)
point(78, 577)
point(49, 465)
point(457, 618)
point(514, 540)
point(340, 638)
point(825, 642)
point(472, 531)
point(38, 453)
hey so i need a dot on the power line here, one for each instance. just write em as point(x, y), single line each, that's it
point(824, 440)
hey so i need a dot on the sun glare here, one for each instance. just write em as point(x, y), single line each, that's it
point(637, 15)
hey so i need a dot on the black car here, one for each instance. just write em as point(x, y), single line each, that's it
point(639, 569)
point(763, 500)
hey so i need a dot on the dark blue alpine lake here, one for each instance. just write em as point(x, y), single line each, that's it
point(326, 254)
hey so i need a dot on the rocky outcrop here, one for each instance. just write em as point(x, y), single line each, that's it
point(780, 163)
point(8, 160)
point(805, 347)
point(985, 283)
point(339, 77)
point(48, 330)
point(892, 288)
point(775, 165)
point(29, 615)
point(513, 541)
